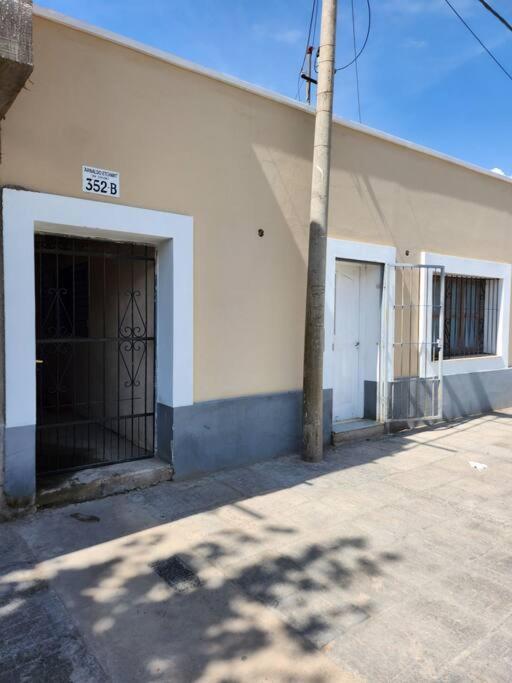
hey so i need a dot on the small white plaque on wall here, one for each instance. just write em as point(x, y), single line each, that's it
point(100, 181)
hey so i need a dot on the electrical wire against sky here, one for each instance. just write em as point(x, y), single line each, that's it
point(482, 44)
point(365, 41)
point(355, 62)
point(357, 53)
point(313, 20)
point(496, 14)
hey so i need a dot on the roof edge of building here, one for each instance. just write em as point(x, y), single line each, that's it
point(182, 63)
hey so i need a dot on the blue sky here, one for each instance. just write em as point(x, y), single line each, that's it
point(422, 77)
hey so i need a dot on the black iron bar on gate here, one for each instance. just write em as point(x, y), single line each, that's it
point(95, 339)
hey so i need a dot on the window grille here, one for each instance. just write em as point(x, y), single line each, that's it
point(471, 316)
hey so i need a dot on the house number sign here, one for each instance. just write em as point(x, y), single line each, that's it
point(100, 181)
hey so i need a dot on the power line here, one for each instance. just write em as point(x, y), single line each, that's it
point(496, 14)
point(315, 23)
point(311, 32)
point(365, 42)
point(491, 55)
point(312, 18)
point(355, 62)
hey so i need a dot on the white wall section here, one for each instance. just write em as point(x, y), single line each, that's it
point(24, 213)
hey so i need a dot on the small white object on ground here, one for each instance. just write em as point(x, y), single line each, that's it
point(477, 465)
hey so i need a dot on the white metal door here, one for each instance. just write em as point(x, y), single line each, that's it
point(411, 361)
point(346, 391)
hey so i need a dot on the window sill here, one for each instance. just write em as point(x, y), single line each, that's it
point(459, 366)
point(476, 356)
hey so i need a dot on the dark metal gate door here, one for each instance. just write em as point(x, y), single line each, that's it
point(95, 337)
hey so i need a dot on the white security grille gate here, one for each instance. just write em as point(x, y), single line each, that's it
point(411, 358)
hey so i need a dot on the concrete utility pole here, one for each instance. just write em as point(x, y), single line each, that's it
point(15, 49)
point(315, 298)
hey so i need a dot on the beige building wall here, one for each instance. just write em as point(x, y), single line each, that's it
point(236, 162)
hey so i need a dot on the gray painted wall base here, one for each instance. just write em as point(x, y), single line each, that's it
point(468, 394)
point(477, 392)
point(370, 400)
point(20, 466)
point(164, 416)
point(215, 435)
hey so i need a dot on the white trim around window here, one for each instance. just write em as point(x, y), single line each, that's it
point(486, 269)
point(25, 213)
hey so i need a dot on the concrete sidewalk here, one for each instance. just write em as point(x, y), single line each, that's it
point(390, 561)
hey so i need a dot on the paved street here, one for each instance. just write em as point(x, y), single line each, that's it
point(390, 561)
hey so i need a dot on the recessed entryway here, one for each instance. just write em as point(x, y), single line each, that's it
point(357, 330)
point(162, 239)
point(95, 347)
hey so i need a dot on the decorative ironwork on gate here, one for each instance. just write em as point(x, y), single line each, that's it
point(95, 338)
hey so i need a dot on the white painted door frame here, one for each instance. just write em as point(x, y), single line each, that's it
point(24, 213)
point(354, 251)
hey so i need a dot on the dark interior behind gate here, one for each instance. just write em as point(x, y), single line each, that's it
point(95, 336)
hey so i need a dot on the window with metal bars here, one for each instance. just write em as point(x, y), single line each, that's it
point(471, 314)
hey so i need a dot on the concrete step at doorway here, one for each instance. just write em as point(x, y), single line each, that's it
point(99, 482)
point(349, 431)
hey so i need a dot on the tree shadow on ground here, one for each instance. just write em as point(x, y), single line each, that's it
point(253, 593)
point(157, 609)
point(175, 501)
